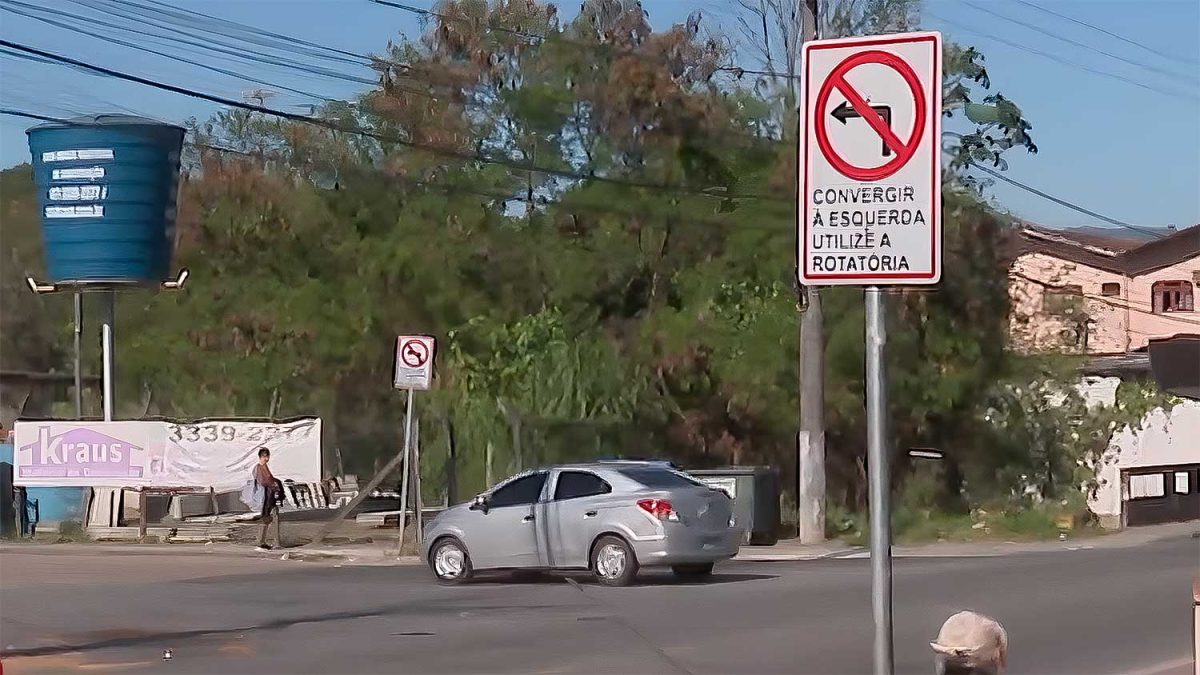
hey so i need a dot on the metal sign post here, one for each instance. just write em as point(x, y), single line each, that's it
point(879, 474)
point(413, 370)
point(870, 215)
point(405, 469)
point(107, 351)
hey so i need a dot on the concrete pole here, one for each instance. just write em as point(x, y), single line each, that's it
point(451, 461)
point(879, 476)
point(488, 477)
point(418, 504)
point(810, 443)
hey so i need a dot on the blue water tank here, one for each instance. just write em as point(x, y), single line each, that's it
point(107, 188)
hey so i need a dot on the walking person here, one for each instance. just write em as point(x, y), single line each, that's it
point(272, 492)
point(971, 644)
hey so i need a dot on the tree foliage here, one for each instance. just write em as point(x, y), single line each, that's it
point(615, 277)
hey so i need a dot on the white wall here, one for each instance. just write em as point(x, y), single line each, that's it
point(1166, 438)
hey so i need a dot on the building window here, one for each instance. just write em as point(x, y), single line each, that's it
point(1146, 486)
point(1172, 296)
point(1063, 299)
point(1182, 484)
point(1110, 288)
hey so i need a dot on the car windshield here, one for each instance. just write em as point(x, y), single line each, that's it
point(659, 478)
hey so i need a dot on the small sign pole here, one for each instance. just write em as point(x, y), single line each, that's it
point(879, 474)
point(405, 468)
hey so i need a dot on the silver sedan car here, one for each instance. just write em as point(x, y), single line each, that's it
point(608, 517)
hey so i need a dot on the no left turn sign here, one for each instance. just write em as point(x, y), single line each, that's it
point(414, 353)
point(870, 191)
point(414, 362)
point(878, 118)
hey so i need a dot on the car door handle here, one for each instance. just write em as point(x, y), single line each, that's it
point(527, 519)
point(590, 514)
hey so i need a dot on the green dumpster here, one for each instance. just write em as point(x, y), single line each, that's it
point(755, 494)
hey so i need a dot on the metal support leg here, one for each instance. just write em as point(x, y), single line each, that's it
point(108, 347)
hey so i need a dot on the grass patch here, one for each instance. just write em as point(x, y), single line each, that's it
point(911, 526)
point(72, 531)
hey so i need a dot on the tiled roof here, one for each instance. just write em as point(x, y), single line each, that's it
point(1118, 254)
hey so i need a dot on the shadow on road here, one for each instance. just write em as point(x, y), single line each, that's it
point(586, 579)
point(129, 638)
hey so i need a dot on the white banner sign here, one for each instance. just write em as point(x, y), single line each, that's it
point(211, 453)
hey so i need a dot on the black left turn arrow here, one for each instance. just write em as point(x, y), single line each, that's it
point(845, 111)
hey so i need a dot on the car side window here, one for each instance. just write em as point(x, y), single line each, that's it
point(524, 490)
point(574, 484)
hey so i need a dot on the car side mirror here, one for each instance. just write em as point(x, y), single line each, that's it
point(480, 503)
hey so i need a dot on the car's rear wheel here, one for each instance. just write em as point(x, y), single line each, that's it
point(693, 571)
point(450, 562)
point(613, 562)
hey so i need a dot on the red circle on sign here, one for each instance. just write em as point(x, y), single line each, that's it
point(837, 80)
point(414, 353)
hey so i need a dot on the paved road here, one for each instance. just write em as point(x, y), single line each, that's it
point(1086, 611)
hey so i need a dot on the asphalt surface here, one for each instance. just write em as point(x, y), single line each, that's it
point(1084, 611)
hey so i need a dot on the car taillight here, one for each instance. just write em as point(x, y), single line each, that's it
point(659, 508)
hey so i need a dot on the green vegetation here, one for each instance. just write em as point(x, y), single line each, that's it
point(648, 308)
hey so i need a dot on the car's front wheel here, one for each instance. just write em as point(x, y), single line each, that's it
point(450, 562)
point(613, 562)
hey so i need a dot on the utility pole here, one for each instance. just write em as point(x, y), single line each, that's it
point(810, 442)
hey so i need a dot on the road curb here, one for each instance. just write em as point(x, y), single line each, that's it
point(794, 557)
point(342, 558)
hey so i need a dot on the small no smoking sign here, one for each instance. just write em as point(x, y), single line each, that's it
point(870, 191)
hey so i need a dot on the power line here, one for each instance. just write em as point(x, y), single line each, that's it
point(180, 24)
point(183, 13)
point(568, 109)
point(1063, 202)
point(212, 45)
point(216, 69)
point(539, 37)
point(386, 138)
point(421, 11)
point(242, 53)
point(1054, 199)
point(1110, 33)
point(62, 120)
point(449, 190)
point(1056, 36)
point(1066, 62)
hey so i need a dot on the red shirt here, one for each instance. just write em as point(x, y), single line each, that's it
point(263, 475)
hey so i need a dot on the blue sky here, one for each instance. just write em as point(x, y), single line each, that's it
point(1127, 151)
